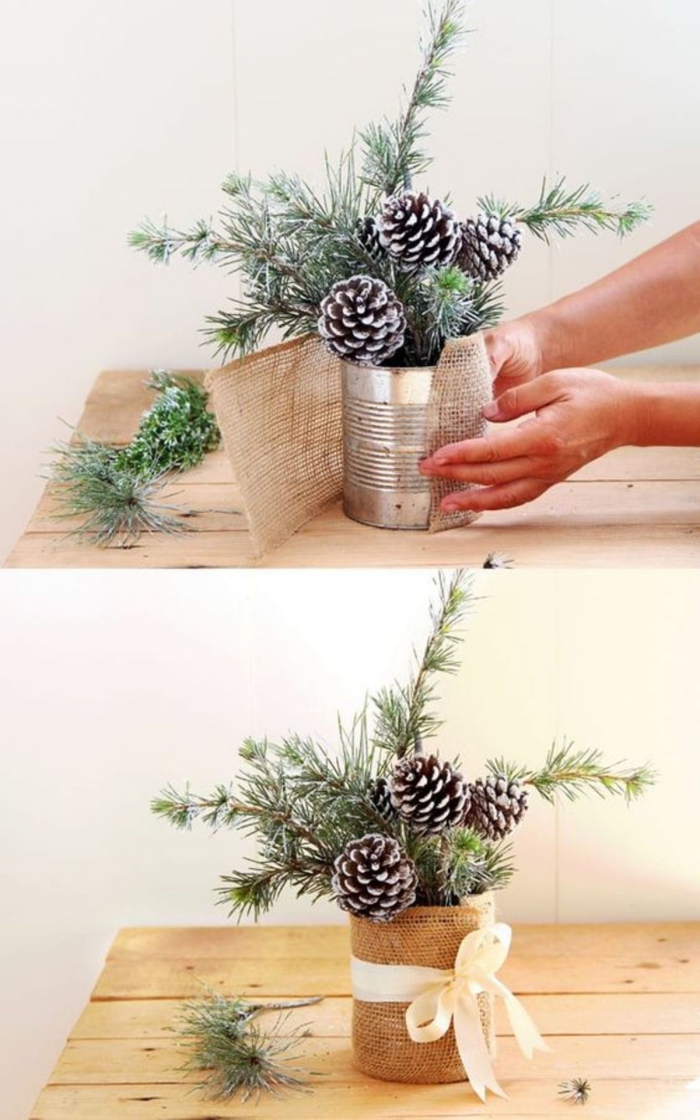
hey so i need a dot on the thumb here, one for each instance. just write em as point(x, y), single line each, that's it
point(519, 400)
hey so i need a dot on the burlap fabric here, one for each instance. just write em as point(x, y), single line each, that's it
point(280, 415)
point(460, 390)
point(428, 936)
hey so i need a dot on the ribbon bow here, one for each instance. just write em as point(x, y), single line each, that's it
point(443, 996)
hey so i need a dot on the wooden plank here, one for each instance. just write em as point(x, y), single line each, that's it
point(636, 1013)
point(159, 1062)
point(615, 1099)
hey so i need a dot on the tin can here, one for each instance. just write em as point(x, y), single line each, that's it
point(384, 439)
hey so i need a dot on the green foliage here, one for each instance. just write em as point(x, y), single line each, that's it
point(118, 491)
point(291, 242)
point(238, 1056)
point(393, 152)
point(403, 712)
point(561, 211)
point(302, 805)
point(571, 772)
point(117, 504)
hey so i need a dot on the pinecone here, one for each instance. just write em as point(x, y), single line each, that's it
point(374, 879)
point(380, 797)
point(489, 246)
point(362, 321)
point(417, 231)
point(497, 806)
point(429, 794)
point(368, 235)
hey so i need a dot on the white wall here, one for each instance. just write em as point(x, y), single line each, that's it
point(110, 687)
point(110, 111)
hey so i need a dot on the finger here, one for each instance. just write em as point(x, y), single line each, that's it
point(495, 497)
point(483, 474)
point(521, 399)
point(493, 448)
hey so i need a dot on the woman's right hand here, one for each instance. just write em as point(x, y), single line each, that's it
point(515, 353)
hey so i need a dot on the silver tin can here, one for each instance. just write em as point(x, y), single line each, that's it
point(384, 438)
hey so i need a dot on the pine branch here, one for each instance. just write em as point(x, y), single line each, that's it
point(393, 150)
point(403, 716)
point(239, 1056)
point(573, 772)
point(88, 480)
point(560, 211)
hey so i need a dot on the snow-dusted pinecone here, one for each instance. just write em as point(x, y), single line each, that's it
point(489, 245)
point(374, 878)
point(368, 235)
point(429, 794)
point(497, 806)
point(417, 231)
point(380, 797)
point(362, 321)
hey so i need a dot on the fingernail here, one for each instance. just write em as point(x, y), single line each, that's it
point(491, 410)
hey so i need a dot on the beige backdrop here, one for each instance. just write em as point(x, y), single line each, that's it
point(113, 110)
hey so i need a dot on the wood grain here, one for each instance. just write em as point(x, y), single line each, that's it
point(637, 507)
point(624, 1011)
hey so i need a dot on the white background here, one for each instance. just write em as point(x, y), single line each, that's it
point(113, 686)
point(113, 110)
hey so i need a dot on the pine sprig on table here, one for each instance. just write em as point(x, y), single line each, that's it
point(238, 1055)
point(573, 772)
point(119, 491)
point(403, 712)
point(393, 152)
point(561, 211)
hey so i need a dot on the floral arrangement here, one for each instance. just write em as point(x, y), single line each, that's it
point(382, 269)
point(384, 824)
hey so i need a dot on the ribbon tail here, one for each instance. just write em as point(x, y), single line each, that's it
point(473, 1050)
point(526, 1033)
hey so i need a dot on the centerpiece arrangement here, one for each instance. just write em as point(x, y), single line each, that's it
point(413, 847)
point(394, 282)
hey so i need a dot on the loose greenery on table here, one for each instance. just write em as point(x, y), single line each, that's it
point(118, 491)
point(235, 1054)
point(384, 271)
point(377, 823)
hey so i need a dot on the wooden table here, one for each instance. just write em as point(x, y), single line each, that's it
point(619, 1005)
point(632, 508)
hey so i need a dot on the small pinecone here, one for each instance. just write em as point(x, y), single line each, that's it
point(489, 246)
point(417, 231)
point(380, 797)
point(497, 806)
point(368, 235)
point(429, 794)
point(362, 321)
point(374, 879)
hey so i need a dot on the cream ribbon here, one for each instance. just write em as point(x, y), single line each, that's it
point(440, 996)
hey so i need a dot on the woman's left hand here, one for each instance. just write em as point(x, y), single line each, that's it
point(580, 414)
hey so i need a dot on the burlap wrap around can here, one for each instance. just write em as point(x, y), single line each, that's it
point(280, 415)
point(428, 936)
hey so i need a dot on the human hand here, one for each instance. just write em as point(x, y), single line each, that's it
point(580, 415)
point(515, 354)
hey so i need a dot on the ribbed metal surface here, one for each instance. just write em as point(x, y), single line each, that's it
point(384, 430)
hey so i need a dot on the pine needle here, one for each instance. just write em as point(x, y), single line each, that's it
point(239, 1057)
point(118, 491)
point(576, 1091)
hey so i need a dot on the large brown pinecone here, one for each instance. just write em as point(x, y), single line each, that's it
point(489, 246)
point(497, 806)
point(417, 231)
point(374, 878)
point(362, 321)
point(429, 794)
